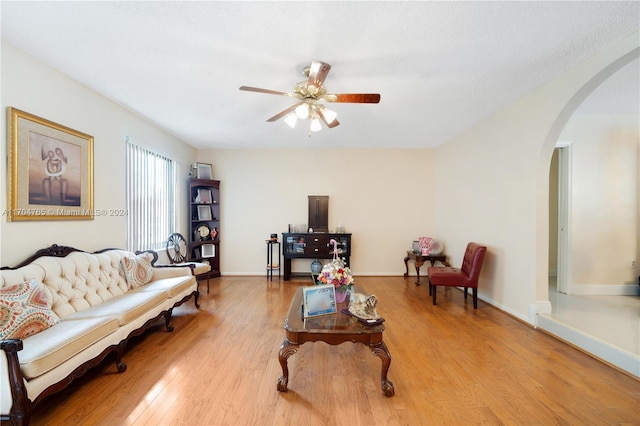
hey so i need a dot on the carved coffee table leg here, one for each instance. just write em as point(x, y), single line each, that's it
point(382, 352)
point(286, 350)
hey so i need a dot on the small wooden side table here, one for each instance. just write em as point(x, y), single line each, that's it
point(419, 260)
point(273, 263)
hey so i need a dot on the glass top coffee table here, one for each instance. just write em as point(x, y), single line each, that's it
point(332, 329)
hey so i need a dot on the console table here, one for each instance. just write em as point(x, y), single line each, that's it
point(313, 246)
point(419, 260)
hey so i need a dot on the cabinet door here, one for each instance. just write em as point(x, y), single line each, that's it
point(319, 213)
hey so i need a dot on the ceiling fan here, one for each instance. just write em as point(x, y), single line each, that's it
point(309, 94)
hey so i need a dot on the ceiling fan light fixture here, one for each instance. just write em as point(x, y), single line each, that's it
point(329, 115)
point(291, 119)
point(302, 111)
point(315, 125)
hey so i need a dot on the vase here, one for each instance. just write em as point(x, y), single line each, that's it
point(341, 296)
point(316, 267)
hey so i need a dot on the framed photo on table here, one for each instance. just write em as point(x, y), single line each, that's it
point(50, 170)
point(319, 300)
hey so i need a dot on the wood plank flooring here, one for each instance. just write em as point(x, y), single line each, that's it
point(451, 365)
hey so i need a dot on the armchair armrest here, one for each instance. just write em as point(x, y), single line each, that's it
point(20, 402)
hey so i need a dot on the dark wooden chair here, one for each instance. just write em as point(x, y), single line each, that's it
point(466, 276)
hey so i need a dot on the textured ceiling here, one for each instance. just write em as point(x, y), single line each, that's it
point(440, 67)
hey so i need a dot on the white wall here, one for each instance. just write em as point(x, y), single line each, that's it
point(384, 197)
point(497, 183)
point(33, 87)
point(604, 199)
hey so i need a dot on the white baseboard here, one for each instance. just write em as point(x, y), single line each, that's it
point(604, 290)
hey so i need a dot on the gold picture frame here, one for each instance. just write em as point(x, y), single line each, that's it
point(50, 170)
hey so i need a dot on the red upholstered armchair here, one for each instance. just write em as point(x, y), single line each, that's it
point(466, 276)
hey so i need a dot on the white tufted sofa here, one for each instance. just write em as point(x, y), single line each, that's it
point(98, 314)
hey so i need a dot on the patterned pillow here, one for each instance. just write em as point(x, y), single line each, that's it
point(137, 269)
point(24, 311)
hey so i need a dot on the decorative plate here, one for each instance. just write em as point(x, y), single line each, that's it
point(202, 232)
point(436, 247)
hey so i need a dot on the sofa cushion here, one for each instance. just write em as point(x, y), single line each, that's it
point(24, 310)
point(50, 348)
point(198, 267)
point(125, 308)
point(137, 269)
point(172, 286)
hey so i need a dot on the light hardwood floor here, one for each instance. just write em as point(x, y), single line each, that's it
point(451, 365)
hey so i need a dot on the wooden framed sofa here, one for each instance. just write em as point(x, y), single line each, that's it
point(65, 310)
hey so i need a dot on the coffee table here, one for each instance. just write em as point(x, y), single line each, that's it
point(332, 329)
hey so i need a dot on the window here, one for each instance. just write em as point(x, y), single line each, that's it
point(150, 198)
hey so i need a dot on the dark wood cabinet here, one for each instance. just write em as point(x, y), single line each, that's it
point(313, 246)
point(204, 222)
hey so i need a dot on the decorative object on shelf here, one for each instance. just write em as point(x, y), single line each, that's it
point(204, 213)
point(202, 233)
point(204, 171)
point(337, 274)
point(274, 237)
point(208, 250)
point(50, 170)
point(214, 233)
point(415, 247)
point(204, 196)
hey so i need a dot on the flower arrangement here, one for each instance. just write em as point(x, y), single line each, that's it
point(337, 274)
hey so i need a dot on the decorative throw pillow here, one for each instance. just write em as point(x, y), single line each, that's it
point(137, 269)
point(24, 311)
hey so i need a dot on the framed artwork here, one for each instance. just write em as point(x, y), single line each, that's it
point(50, 170)
point(208, 250)
point(204, 213)
point(204, 171)
point(319, 300)
point(204, 195)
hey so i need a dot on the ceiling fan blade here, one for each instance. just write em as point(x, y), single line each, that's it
point(317, 73)
point(270, 92)
point(331, 125)
point(281, 114)
point(357, 98)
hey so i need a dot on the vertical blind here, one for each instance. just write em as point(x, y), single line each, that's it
point(150, 198)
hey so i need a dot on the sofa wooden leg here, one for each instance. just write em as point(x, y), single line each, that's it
point(167, 319)
point(121, 366)
point(435, 290)
point(475, 298)
point(465, 293)
point(196, 294)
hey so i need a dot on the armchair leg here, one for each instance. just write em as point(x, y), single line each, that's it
point(465, 292)
point(435, 290)
point(475, 298)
